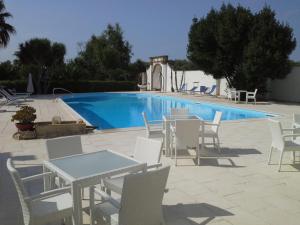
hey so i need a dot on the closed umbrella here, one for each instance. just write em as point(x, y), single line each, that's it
point(30, 88)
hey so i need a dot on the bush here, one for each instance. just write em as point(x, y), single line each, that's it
point(77, 86)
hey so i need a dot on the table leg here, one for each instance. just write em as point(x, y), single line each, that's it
point(92, 204)
point(47, 183)
point(202, 138)
point(77, 204)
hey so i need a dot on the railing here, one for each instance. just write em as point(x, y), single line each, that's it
point(54, 89)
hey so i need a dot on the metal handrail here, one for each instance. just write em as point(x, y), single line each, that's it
point(54, 89)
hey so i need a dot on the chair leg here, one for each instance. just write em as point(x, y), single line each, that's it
point(175, 155)
point(214, 141)
point(198, 154)
point(280, 161)
point(218, 144)
point(294, 157)
point(270, 155)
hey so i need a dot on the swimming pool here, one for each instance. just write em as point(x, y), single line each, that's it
point(121, 110)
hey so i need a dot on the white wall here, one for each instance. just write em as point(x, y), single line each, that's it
point(287, 89)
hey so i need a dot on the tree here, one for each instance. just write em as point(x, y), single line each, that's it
point(107, 56)
point(5, 29)
point(243, 47)
point(8, 71)
point(41, 58)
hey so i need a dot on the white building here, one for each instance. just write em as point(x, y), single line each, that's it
point(161, 77)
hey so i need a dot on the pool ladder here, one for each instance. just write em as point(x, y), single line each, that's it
point(63, 89)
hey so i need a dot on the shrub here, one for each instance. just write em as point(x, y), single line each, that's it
point(78, 86)
point(25, 115)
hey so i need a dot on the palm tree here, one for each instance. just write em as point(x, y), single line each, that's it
point(5, 29)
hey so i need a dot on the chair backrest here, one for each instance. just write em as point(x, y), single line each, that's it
point(203, 89)
point(147, 150)
point(146, 122)
point(255, 92)
point(179, 111)
point(4, 94)
point(142, 195)
point(183, 87)
point(63, 146)
point(22, 194)
point(217, 120)
point(212, 89)
point(276, 133)
point(193, 89)
point(296, 118)
point(187, 133)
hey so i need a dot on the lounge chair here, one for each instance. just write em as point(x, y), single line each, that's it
point(15, 93)
point(145, 151)
point(6, 93)
point(212, 131)
point(154, 128)
point(185, 136)
point(9, 100)
point(280, 142)
point(212, 89)
point(140, 203)
point(46, 207)
point(192, 91)
point(182, 88)
point(251, 96)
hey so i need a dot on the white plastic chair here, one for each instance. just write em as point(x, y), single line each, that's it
point(51, 206)
point(251, 96)
point(62, 147)
point(233, 94)
point(280, 142)
point(185, 136)
point(140, 203)
point(154, 128)
point(146, 151)
point(213, 130)
point(179, 111)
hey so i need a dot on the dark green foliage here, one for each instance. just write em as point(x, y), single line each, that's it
point(77, 86)
point(107, 56)
point(182, 64)
point(5, 29)
point(243, 47)
point(42, 59)
point(8, 71)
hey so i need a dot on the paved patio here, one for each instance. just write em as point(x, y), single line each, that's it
point(235, 187)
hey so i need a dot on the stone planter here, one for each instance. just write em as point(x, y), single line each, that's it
point(66, 128)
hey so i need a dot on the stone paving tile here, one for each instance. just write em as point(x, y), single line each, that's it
point(234, 187)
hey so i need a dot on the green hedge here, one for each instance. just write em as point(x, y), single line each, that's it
point(77, 86)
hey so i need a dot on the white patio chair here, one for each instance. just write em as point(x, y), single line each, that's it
point(251, 96)
point(140, 203)
point(213, 130)
point(233, 94)
point(62, 147)
point(154, 128)
point(145, 151)
point(185, 136)
point(43, 208)
point(179, 111)
point(280, 142)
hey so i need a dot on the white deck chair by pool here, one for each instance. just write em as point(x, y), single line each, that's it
point(280, 142)
point(185, 136)
point(179, 111)
point(251, 96)
point(154, 128)
point(211, 130)
point(140, 203)
point(146, 151)
point(43, 208)
point(62, 147)
point(233, 94)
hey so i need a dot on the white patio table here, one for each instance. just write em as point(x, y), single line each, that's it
point(168, 119)
point(87, 170)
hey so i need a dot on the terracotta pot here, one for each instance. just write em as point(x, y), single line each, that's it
point(24, 126)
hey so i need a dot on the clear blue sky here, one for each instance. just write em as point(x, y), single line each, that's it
point(153, 27)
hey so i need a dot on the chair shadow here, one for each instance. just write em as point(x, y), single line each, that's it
point(186, 212)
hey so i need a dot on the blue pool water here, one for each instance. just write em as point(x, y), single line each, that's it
point(120, 110)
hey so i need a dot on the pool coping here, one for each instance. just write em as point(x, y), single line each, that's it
point(76, 114)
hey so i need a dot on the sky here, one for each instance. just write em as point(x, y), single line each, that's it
point(152, 27)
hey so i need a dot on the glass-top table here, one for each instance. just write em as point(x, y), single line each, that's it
point(87, 170)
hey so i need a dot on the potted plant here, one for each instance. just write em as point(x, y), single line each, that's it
point(26, 115)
